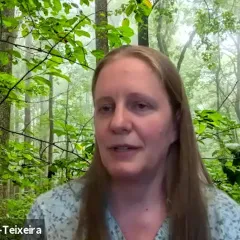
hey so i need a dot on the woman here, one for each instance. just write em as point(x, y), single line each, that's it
point(146, 180)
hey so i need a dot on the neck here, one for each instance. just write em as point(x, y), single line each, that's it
point(142, 193)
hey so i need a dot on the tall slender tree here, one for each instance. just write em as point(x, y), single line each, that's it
point(27, 110)
point(101, 20)
point(7, 37)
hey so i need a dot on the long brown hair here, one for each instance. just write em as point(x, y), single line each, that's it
point(185, 174)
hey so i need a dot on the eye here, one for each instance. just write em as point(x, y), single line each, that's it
point(140, 106)
point(105, 108)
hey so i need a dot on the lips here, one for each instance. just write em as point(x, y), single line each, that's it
point(123, 152)
point(123, 147)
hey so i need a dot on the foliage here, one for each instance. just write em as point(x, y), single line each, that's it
point(224, 167)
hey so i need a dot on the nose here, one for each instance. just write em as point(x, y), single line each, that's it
point(120, 122)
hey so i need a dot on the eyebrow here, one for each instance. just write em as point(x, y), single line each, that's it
point(130, 95)
point(141, 95)
point(103, 99)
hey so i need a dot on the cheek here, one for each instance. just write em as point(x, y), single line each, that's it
point(100, 136)
point(99, 128)
point(157, 133)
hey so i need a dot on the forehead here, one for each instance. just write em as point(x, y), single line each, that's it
point(128, 74)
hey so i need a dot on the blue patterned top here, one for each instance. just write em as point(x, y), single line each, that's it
point(60, 210)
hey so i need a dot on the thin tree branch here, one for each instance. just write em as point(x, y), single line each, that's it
point(187, 44)
point(234, 1)
point(43, 141)
point(155, 3)
point(33, 120)
point(228, 95)
point(47, 52)
point(209, 16)
point(19, 100)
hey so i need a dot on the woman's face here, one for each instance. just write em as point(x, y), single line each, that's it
point(133, 119)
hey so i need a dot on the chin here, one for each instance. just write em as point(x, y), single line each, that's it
point(124, 173)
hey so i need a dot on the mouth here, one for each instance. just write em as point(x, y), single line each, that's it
point(123, 148)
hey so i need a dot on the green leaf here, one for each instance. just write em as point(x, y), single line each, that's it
point(201, 128)
point(4, 58)
point(57, 60)
point(25, 32)
point(53, 169)
point(59, 132)
point(99, 54)
point(75, 5)
point(81, 33)
point(126, 31)
point(56, 52)
point(58, 74)
point(5, 176)
point(16, 54)
point(86, 2)
point(79, 146)
point(57, 5)
point(125, 22)
point(13, 96)
point(28, 156)
point(138, 17)
point(79, 53)
point(10, 22)
point(42, 80)
point(130, 9)
point(47, 4)
point(67, 8)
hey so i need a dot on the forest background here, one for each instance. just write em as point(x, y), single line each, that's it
point(48, 51)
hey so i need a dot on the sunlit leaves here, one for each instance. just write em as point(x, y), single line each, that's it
point(120, 35)
point(214, 121)
point(4, 58)
point(99, 54)
point(130, 8)
point(16, 54)
point(67, 7)
point(125, 31)
point(79, 53)
point(125, 22)
point(229, 21)
point(225, 169)
point(57, 6)
point(7, 80)
point(43, 80)
point(82, 33)
point(10, 22)
point(86, 2)
point(216, 22)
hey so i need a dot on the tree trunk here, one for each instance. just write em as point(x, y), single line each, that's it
point(43, 132)
point(51, 136)
point(143, 32)
point(161, 37)
point(101, 20)
point(237, 102)
point(27, 110)
point(66, 123)
point(5, 107)
point(217, 78)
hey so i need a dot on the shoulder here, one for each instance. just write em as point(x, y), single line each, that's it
point(64, 196)
point(59, 209)
point(223, 213)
